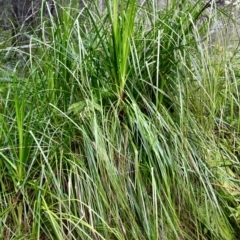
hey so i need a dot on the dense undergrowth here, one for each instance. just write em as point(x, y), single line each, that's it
point(122, 124)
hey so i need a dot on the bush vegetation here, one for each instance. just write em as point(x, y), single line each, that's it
point(121, 124)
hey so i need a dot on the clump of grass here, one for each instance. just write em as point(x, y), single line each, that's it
point(124, 125)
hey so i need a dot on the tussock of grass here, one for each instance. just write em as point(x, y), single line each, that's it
point(123, 124)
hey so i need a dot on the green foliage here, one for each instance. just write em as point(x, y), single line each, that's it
point(121, 124)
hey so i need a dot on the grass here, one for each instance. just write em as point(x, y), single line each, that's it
point(121, 124)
